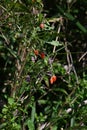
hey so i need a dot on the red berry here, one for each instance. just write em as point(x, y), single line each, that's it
point(36, 52)
point(42, 25)
point(42, 55)
point(53, 79)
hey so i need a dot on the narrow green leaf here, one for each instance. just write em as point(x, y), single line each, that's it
point(81, 27)
point(33, 112)
point(42, 101)
point(12, 52)
point(61, 90)
point(54, 43)
point(46, 80)
point(72, 121)
point(69, 16)
point(72, 18)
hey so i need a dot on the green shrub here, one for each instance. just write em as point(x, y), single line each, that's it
point(41, 83)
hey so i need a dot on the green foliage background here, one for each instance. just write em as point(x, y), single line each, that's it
point(27, 98)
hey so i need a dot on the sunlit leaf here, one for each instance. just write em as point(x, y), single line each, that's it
point(54, 43)
point(10, 101)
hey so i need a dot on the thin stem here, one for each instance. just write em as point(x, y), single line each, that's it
point(82, 56)
point(58, 31)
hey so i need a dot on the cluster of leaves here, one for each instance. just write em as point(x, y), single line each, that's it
point(41, 87)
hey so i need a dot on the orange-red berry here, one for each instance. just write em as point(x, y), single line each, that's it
point(42, 25)
point(36, 52)
point(42, 55)
point(53, 79)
